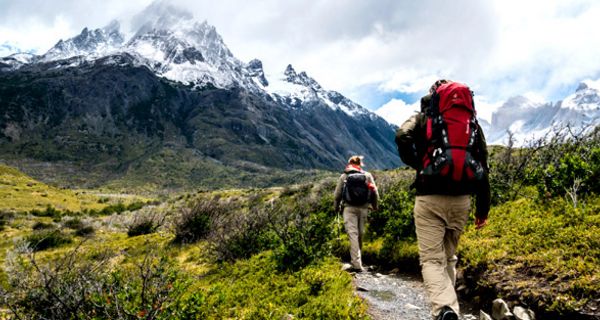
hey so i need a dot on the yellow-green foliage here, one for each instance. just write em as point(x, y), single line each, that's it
point(254, 289)
point(548, 252)
point(246, 289)
point(19, 192)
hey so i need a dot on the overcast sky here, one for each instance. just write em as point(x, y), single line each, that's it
point(378, 53)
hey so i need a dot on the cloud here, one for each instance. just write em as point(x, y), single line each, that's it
point(397, 111)
point(500, 48)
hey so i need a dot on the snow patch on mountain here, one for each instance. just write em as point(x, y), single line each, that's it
point(528, 120)
point(297, 89)
point(586, 99)
point(89, 43)
point(15, 61)
point(168, 41)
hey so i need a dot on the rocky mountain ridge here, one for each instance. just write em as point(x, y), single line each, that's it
point(528, 119)
point(108, 102)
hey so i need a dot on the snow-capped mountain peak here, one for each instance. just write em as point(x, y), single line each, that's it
point(527, 119)
point(255, 71)
point(586, 98)
point(296, 89)
point(171, 43)
point(300, 78)
point(92, 43)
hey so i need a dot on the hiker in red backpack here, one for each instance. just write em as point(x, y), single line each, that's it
point(446, 146)
point(354, 193)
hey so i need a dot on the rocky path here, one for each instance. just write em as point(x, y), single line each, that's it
point(395, 296)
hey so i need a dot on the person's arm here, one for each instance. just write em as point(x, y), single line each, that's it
point(405, 141)
point(337, 194)
point(374, 192)
point(483, 194)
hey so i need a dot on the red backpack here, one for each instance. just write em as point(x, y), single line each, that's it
point(451, 133)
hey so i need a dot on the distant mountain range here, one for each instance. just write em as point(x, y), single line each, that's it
point(527, 119)
point(116, 107)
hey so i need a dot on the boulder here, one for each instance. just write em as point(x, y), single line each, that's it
point(523, 314)
point(500, 310)
point(484, 316)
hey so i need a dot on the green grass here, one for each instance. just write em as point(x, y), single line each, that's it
point(544, 253)
point(20, 192)
point(254, 289)
point(245, 289)
point(549, 253)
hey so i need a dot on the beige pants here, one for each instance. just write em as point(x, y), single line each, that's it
point(439, 222)
point(354, 222)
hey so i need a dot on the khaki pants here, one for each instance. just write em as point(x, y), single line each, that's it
point(354, 222)
point(439, 222)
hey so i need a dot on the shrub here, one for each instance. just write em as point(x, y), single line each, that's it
point(144, 224)
point(74, 224)
point(46, 239)
point(50, 211)
point(85, 231)
point(113, 208)
point(42, 225)
point(194, 222)
point(304, 233)
point(242, 234)
point(395, 215)
point(5, 216)
point(135, 206)
point(75, 287)
point(561, 163)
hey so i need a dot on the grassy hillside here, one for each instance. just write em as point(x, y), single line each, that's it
point(545, 255)
point(19, 192)
point(169, 169)
point(275, 252)
point(253, 259)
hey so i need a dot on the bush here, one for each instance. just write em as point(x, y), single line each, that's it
point(562, 163)
point(304, 232)
point(117, 208)
point(144, 224)
point(74, 224)
point(242, 234)
point(194, 223)
point(46, 239)
point(75, 287)
point(85, 231)
point(42, 225)
point(50, 211)
point(5, 216)
point(395, 215)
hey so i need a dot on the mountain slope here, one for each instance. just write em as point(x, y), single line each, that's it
point(108, 105)
point(527, 119)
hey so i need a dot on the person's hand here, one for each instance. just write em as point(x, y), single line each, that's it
point(480, 223)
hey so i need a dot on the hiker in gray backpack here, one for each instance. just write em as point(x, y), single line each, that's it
point(354, 194)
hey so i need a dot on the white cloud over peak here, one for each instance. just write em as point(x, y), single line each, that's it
point(500, 48)
point(397, 111)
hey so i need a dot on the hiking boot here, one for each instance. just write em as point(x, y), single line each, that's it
point(356, 270)
point(447, 314)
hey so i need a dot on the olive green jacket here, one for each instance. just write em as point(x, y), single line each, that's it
point(412, 147)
